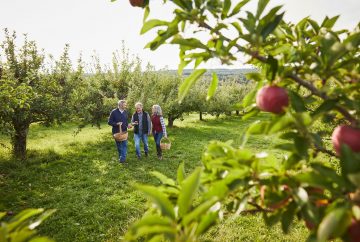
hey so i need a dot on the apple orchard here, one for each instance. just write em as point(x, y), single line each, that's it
point(307, 82)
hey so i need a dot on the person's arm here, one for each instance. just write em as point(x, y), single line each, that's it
point(111, 120)
point(162, 122)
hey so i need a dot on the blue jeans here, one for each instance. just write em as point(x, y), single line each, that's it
point(157, 138)
point(144, 139)
point(122, 149)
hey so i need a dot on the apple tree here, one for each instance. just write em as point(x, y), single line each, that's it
point(30, 92)
point(308, 79)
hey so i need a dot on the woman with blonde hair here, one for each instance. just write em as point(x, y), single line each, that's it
point(158, 128)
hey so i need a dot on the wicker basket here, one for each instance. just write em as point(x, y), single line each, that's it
point(165, 146)
point(121, 136)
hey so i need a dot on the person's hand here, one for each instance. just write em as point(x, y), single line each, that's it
point(130, 126)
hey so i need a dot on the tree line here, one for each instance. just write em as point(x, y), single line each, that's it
point(37, 88)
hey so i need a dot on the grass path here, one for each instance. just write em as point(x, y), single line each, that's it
point(93, 194)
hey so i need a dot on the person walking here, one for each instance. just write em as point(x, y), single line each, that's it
point(142, 128)
point(119, 117)
point(158, 128)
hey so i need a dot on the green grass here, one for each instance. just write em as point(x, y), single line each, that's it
point(93, 194)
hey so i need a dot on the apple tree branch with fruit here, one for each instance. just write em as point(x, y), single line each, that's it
point(308, 80)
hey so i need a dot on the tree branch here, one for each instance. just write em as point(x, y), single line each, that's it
point(296, 78)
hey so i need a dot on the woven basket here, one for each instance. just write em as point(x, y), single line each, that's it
point(121, 136)
point(165, 146)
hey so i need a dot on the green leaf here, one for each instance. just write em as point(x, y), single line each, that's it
point(205, 222)
point(41, 239)
point(249, 98)
point(237, 27)
point(146, 13)
point(190, 42)
point(311, 179)
point(352, 41)
point(258, 127)
point(329, 22)
point(349, 161)
point(188, 190)
point(272, 218)
point(155, 229)
point(164, 179)
point(213, 86)
point(22, 217)
point(238, 7)
point(180, 173)
point(269, 28)
point(314, 25)
point(152, 23)
point(288, 217)
point(329, 173)
point(355, 179)
point(199, 210)
point(150, 220)
point(261, 7)
point(281, 124)
point(301, 146)
point(325, 107)
point(251, 114)
point(159, 199)
point(189, 81)
point(271, 72)
point(225, 9)
point(182, 65)
point(296, 101)
point(334, 224)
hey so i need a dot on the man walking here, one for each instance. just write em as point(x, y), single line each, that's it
point(142, 128)
point(119, 117)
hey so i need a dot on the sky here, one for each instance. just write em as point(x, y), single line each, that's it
point(100, 26)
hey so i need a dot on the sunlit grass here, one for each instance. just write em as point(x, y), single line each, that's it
point(93, 194)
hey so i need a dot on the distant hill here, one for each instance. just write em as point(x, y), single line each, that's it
point(219, 72)
point(223, 74)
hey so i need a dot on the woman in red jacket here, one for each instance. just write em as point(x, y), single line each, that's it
point(158, 128)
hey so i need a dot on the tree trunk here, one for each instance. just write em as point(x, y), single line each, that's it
point(19, 140)
point(170, 121)
point(200, 116)
point(237, 112)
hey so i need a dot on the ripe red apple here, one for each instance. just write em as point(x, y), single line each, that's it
point(272, 99)
point(346, 134)
point(354, 231)
point(137, 3)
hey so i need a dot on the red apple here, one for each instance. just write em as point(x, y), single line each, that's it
point(137, 3)
point(346, 134)
point(272, 99)
point(354, 231)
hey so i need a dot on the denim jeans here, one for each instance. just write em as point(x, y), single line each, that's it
point(144, 139)
point(157, 138)
point(122, 149)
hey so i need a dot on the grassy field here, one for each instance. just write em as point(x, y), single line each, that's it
point(93, 194)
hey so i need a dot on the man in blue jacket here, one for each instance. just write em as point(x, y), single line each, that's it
point(119, 116)
point(142, 128)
